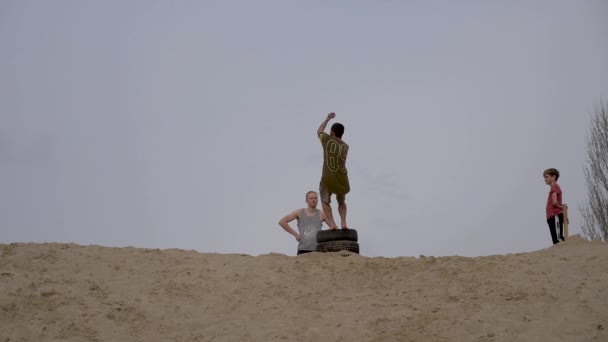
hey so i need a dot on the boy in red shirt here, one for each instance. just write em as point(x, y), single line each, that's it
point(555, 208)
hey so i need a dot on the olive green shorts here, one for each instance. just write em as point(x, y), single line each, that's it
point(326, 195)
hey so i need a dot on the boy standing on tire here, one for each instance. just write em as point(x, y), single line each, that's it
point(555, 208)
point(334, 179)
point(310, 221)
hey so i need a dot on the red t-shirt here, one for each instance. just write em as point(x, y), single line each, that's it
point(551, 210)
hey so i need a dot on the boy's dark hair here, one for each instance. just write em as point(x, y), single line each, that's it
point(552, 172)
point(337, 129)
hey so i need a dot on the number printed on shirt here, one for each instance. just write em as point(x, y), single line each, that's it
point(336, 152)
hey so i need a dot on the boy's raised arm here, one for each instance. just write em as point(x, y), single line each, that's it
point(324, 123)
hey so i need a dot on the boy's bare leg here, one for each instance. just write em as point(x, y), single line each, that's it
point(330, 217)
point(342, 211)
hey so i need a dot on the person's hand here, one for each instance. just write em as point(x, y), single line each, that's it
point(567, 220)
point(297, 236)
point(330, 116)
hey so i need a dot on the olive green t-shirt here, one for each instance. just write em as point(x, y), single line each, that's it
point(335, 175)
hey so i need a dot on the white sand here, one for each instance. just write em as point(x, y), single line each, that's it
point(67, 292)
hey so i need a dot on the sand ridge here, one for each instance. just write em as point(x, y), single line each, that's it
point(69, 292)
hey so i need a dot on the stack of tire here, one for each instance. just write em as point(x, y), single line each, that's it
point(337, 240)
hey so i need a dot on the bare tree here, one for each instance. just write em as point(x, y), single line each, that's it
point(595, 210)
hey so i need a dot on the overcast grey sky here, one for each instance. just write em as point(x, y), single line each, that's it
point(191, 124)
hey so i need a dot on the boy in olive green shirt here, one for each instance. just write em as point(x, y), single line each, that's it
point(334, 179)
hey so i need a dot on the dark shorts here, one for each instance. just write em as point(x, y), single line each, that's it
point(556, 227)
point(326, 195)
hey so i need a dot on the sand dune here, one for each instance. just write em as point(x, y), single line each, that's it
point(68, 292)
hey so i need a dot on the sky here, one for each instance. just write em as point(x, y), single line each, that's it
point(192, 124)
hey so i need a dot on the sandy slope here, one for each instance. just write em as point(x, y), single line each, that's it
point(52, 292)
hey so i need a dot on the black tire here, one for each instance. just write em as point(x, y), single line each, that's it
point(337, 246)
point(337, 235)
